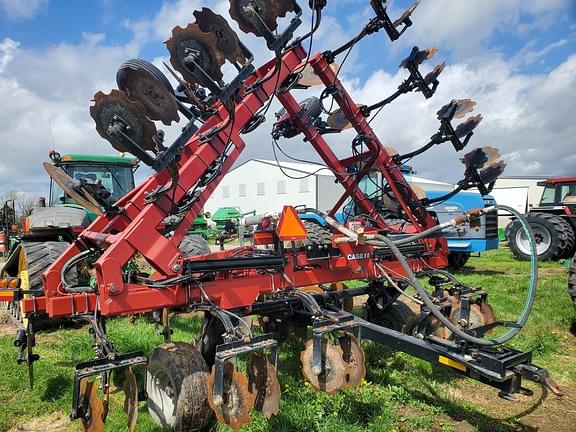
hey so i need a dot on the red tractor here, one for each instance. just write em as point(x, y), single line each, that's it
point(553, 222)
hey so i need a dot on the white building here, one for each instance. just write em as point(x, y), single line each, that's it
point(265, 186)
point(517, 192)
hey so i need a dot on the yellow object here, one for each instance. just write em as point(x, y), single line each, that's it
point(452, 363)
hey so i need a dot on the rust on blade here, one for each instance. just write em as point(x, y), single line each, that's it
point(354, 358)
point(131, 398)
point(234, 410)
point(480, 157)
point(264, 385)
point(468, 126)
point(457, 107)
point(226, 39)
point(247, 12)
point(333, 373)
point(406, 13)
point(117, 103)
point(435, 73)
point(93, 420)
point(191, 45)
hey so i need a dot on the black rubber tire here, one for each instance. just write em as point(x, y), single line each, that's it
point(398, 316)
point(317, 234)
point(210, 337)
point(569, 247)
point(183, 365)
point(572, 280)
point(39, 256)
point(556, 227)
point(457, 260)
point(194, 244)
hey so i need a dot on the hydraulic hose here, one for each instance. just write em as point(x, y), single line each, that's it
point(523, 317)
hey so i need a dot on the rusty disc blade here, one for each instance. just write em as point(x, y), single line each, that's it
point(309, 77)
point(456, 109)
point(66, 182)
point(419, 56)
point(117, 104)
point(131, 398)
point(354, 358)
point(333, 370)
point(434, 73)
point(142, 81)
point(311, 289)
point(226, 39)
point(491, 173)
point(244, 13)
point(468, 126)
point(480, 157)
point(338, 120)
point(93, 420)
point(192, 44)
point(264, 385)
point(234, 411)
point(406, 13)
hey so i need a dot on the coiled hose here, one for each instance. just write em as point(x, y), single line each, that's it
point(529, 302)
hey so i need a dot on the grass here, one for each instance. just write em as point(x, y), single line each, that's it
point(400, 393)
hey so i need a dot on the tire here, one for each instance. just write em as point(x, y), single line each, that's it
point(570, 245)
point(550, 232)
point(398, 316)
point(317, 234)
point(457, 260)
point(210, 337)
point(177, 398)
point(572, 280)
point(194, 244)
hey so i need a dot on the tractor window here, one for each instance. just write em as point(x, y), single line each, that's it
point(548, 196)
point(118, 179)
point(567, 191)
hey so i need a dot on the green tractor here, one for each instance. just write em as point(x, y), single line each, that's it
point(49, 230)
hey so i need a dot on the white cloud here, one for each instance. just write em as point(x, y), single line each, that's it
point(19, 10)
point(7, 49)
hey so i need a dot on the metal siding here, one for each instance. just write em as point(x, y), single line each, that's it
point(327, 193)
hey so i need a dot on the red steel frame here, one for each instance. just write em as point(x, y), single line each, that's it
point(137, 228)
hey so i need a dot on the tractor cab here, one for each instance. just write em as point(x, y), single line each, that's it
point(560, 194)
point(115, 173)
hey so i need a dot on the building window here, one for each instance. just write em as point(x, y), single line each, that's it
point(225, 191)
point(281, 187)
point(260, 189)
point(304, 185)
point(241, 190)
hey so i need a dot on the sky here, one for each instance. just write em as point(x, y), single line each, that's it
point(515, 58)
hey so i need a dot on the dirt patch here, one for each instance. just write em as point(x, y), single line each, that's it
point(542, 411)
point(7, 326)
point(55, 422)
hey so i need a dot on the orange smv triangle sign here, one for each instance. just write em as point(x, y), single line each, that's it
point(290, 227)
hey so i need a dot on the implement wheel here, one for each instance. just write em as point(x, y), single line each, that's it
point(177, 397)
point(572, 280)
point(398, 316)
point(551, 232)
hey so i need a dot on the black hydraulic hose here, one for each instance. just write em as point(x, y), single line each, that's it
point(442, 318)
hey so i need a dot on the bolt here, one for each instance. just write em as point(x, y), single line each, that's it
point(316, 370)
point(112, 289)
point(218, 400)
point(176, 268)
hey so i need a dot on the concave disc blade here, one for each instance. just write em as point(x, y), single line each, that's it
point(492, 172)
point(353, 356)
point(226, 39)
point(93, 421)
point(191, 43)
point(131, 398)
point(264, 386)
point(235, 409)
point(333, 372)
point(419, 56)
point(142, 81)
point(435, 73)
point(406, 13)
point(456, 109)
point(118, 104)
point(309, 77)
point(468, 126)
point(68, 185)
point(481, 157)
point(338, 120)
point(243, 12)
